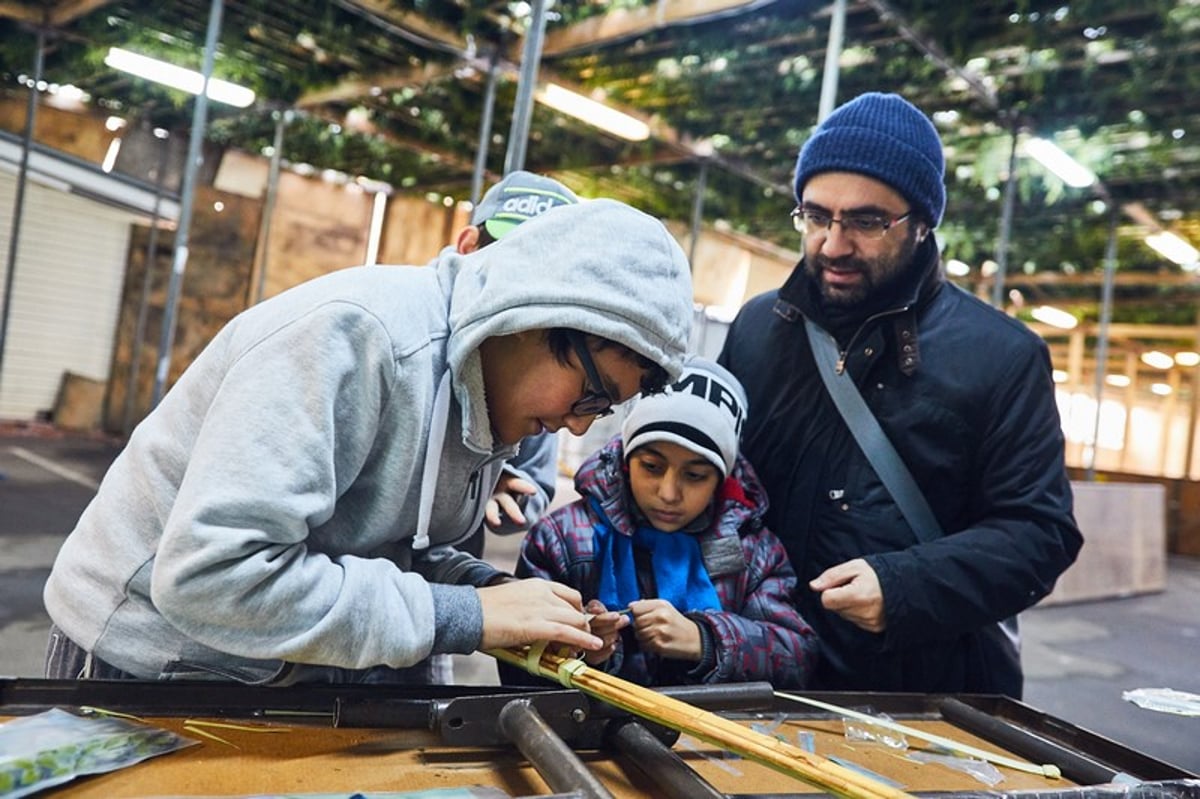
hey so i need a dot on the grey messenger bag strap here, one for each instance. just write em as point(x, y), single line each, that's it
point(870, 437)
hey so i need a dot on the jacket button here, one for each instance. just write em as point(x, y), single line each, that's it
point(845, 506)
point(869, 351)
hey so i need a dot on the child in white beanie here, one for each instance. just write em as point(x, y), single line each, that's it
point(667, 546)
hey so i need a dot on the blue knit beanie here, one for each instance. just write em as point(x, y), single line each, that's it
point(882, 136)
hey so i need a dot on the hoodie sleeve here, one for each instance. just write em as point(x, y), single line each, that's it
point(766, 638)
point(288, 429)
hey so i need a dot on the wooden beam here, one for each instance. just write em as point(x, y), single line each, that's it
point(67, 11)
point(626, 23)
point(385, 12)
point(351, 90)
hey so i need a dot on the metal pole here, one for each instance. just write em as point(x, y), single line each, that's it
point(833, 54)
point(697, 211)
point(282, 118)
point(1110, 269)
point(557, 764)
point(1006, 215)
point(674, 777)
point(19, 201)
point(531, 56)
point(139, 332)
point(191, 166)
point(485, 129)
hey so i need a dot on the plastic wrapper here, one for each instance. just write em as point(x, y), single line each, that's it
point(981, 770)
point(53, 747)
point(1165, 700)
point(865, 732)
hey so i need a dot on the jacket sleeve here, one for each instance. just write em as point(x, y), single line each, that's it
point(447, 565)
point(1020, 534)
point(766, 638)
point(290, 424)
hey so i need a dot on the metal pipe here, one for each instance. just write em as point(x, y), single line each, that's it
point(139, 331)
point(697, 212)
point(191, 167)
point(1006, 215)
point(1106, 295)
point(531, 56)
point(833, 54)
point(485, 129)
point(19, 201)
point(659, 762)
point(560, 767)
point(282, 118)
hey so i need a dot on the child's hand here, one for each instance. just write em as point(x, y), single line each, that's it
point(505, 500)
point(663, 630)
point(605, 625)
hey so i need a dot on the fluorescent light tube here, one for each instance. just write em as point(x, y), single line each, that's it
point(188, 80)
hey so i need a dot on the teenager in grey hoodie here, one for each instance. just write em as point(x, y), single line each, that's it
point(290, 502)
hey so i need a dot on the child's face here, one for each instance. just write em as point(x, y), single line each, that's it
point(671, 484)
point(529, 391)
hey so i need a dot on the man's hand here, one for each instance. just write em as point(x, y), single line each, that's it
point(509, 489)
point(852, 591)
point(663, 630)
point(606, 625)
point(525, 611)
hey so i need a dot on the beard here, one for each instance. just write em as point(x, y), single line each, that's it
point(876, 276)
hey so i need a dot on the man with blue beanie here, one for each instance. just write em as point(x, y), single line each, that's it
point(902, 600)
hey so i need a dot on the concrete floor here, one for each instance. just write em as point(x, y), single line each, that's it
point(1078, 658)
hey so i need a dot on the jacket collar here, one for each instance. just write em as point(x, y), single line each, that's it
point(799, 297)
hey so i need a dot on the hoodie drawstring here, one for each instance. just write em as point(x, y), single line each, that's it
point(433, 460)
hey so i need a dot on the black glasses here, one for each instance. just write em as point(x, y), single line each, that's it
point(864, 225)
point(597, 401)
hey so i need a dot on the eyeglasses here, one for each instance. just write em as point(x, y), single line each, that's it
point(867, 226)
point(597, 401)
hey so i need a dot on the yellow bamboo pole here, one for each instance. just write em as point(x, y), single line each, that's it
point(705, 725)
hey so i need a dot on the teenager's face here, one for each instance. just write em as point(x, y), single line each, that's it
point(850, 267)
point(530, 391)
point(671, 484)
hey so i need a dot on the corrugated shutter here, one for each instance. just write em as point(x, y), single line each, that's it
point(66, 294)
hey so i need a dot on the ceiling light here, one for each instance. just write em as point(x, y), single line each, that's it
point(1187, 358)
point(957, 268)
point(593, 112)
point(187, 80)
point(1120, 381)
point(1161, 389)
point(1176, 249)
point(1055, 317)
point(1159, 360)
point(1051, 156)
point(1060, 376)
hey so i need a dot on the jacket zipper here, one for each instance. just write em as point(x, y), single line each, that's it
point(845, 353)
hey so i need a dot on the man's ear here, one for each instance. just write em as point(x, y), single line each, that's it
point(467, 240)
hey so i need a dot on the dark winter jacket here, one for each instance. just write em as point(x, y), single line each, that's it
point(758, 635)
point(966, 396)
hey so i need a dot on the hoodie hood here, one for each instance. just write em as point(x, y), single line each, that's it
point(601, 267)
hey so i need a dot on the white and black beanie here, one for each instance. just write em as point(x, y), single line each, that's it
point(703, 411)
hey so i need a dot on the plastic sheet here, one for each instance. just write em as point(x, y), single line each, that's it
point(53, 747)
point(1164, 700)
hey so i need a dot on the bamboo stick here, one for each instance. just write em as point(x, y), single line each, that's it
point(705, 725)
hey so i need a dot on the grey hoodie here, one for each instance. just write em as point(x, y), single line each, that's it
point(289, 502)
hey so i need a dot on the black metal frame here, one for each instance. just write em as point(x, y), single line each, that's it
point(549, 725)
